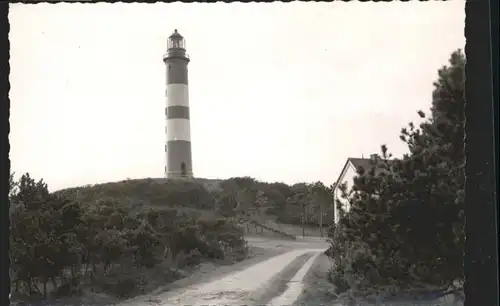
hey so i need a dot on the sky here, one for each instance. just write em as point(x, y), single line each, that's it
point(277, 91)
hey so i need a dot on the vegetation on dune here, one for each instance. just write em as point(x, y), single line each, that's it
point(405, 225)
point(121, 238)
point(299, 204)
point(241, 197)
point(109, 243)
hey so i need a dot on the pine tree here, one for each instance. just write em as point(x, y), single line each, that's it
point(407, 214)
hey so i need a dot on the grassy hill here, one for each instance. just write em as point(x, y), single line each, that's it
point(275, 205)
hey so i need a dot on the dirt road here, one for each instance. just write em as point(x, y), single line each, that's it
point(274, 281)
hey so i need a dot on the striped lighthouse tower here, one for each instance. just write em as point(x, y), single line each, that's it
point(178, 145)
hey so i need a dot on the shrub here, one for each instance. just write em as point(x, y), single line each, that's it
point(118, 241)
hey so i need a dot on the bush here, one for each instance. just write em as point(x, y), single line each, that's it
point(112, 235)
point(122, 286)
point(193, 258)
point(355, 269)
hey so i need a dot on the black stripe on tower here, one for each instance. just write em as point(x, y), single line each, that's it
point(179, 159)
point(177, 71)
point(177, 112)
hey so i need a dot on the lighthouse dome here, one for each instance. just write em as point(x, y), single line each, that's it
point(176, 41)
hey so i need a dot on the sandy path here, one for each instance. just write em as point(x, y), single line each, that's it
point(295, 285)
point(254, 281)
point(205, 273)
point(237, 287)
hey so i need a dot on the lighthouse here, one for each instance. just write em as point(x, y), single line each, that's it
point(178, 132)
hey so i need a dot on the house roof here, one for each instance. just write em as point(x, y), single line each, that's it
point(365, 163)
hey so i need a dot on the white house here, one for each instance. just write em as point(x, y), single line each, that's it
point(349, 172)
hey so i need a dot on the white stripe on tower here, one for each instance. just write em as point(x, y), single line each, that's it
point(177, 95)
point(178, 146)
point(178, 129)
